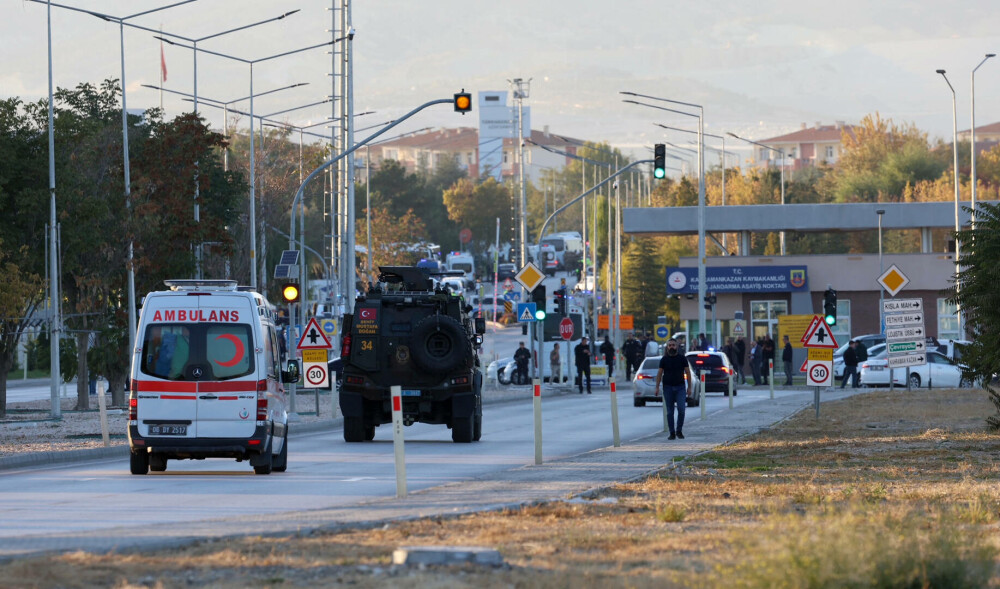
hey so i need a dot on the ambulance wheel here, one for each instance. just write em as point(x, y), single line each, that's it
point(264, 463)
point(280, 462)
point(157, 462)
point(138, 462)
point(354, 429)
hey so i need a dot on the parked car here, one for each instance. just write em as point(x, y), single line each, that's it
point(938, 372)
point(716, 368)
point(873, 372)
point(506, 271)
point(644, 385)
point(869, 341)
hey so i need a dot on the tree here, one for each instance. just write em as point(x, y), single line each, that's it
point(644, 285)
point(20, 294)
point(477, 207)
point(392, 237)
point(979, 301)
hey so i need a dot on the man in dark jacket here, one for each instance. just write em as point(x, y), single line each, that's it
point(671, 373)
point(767, 358)
point(740, 351)
point(630, 352)
point(521, 357)
point(786, 360)
point(581, 357)
point(608, 352)
point(851, 365)
point(756, 355)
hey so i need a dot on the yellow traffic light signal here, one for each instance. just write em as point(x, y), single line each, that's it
point(463, 102)
point(290, 292)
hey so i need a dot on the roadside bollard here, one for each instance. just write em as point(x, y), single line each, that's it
point(102, 405)
point(614, 414)
point(397, 440)
point(770, 376)
point(730, 391)
point(538, 419)
point(701, 394)
point(664, 397)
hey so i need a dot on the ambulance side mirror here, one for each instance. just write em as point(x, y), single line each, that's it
point(292, 374)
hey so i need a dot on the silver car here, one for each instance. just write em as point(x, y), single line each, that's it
point(644, 384)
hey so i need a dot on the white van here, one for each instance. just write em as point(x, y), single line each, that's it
point(562, 252)
point(463, 263)
point(206, 379)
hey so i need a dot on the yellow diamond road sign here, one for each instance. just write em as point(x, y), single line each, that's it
point(893, 280)
point(529, 276)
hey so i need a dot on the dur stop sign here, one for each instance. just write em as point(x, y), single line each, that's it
point(566, 328)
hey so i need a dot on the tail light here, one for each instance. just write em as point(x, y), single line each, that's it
point(261, 400)
point(643, 376)
point(133, 402)
point(460, 380)
point(345, 347)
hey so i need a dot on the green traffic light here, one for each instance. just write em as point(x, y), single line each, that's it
point(831, 320)
point(659, 173)
point(540, 315)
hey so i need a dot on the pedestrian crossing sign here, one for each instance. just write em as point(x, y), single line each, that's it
point(526, 312)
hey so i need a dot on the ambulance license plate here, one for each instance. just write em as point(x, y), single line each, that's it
point(410, 393)
point(168, 430)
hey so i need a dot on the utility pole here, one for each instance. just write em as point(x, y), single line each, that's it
point(521, 91)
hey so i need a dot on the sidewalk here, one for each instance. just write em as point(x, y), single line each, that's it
point(552, 481)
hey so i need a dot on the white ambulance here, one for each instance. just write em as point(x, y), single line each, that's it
point(206, 379)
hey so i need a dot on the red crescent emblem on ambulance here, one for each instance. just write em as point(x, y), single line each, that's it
point(240, 350)
point(368, 314)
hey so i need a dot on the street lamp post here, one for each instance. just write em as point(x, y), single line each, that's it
point(253, 165)
point(701, 191)
point(958, 223)
point(972, 131)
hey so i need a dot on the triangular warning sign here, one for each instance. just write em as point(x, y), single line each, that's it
point(820, 336)
point(812, 325)
point(526, 315)
point(313, 337)
point(805, 364)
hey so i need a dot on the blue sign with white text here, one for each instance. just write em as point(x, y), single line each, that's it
point(723, 279)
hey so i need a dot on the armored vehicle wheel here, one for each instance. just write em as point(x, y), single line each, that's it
point(478, 433)
point(370, 433)
point(463, 429)
point(354, 429)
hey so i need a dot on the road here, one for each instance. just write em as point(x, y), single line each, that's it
point(56, 507)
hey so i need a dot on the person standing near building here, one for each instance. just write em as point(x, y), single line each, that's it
point(554, 363)
point(740, 350)
point(671, 374)
point(521, 358)
point(756, 354)
point(608, 352)
point(702, 345)
point(581, 357)
point(767, 358)
point(628, 351)
point(851, 365)
point(786, 360)
point(652, 349)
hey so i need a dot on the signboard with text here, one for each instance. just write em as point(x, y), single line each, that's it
point(741, 279)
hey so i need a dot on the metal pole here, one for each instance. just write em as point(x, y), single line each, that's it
point(350, 221)
point(958, 226)
point(253, 199)
point(701, 221)
point(782, 234)
point(616, 437)
point(55, 325)
point(368, 208)
point(537, 406)
point(128, 199)
point(972, 130)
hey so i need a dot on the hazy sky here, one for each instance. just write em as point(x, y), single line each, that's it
point(758, 68)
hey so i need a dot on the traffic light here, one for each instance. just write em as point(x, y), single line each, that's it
point(463, 102)
point(560, 301)
point(538, 295)
point(540, 313)
point(709, 301)
point(290, 292)
point(830, 306)
point(659, 161)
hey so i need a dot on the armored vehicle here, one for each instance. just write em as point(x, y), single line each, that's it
point(407, 332)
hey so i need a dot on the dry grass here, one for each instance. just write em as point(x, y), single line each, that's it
point(884, 490)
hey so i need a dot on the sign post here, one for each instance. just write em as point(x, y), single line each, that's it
point(313, 338)
point(821, 343)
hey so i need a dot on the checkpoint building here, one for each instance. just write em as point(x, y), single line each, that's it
point(752, 292)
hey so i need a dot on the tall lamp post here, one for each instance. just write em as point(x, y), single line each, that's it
point(701, 190)
point(782, 153)
point(253, 165)
point(881, 270)
point(958, 223)
point(972, 131)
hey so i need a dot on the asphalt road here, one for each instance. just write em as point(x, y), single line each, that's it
point(98, 503)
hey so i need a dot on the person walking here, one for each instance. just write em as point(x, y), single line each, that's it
point(554, 363)
point(730, 353)
point(786, 360)
point(756, 354)
point(671, 374)
point(851, 365)
point(767, 358)
point(740, 351)
point(628, 351)
point(652, 349)
point(521, 358)
point(702, 345)
point(581, 357)
point(608, 352)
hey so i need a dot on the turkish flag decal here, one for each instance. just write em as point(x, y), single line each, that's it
point(368, 314)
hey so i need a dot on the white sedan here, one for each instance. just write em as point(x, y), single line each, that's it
point(938, 372)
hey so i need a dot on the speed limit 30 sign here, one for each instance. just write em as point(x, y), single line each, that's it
point(314, 369)
point(819, 373)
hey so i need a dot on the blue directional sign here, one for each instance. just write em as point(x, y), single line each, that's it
point(662, 332)
point(526, 312)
